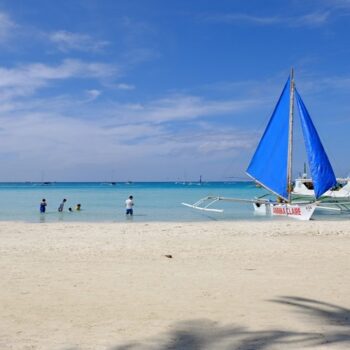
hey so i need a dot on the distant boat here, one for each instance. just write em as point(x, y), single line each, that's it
point(271, 165)
point(304, 188)
point(108, 183)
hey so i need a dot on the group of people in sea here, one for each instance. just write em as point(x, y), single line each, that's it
point(129, 203)
point(43, 205)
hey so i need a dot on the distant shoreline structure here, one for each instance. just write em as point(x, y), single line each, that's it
point(131, 183)
point(116, 183)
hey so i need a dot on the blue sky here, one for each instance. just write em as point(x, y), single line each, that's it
point(163, 90)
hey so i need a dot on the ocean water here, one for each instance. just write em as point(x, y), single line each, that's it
point(104, 202)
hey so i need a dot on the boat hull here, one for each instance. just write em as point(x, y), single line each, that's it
point(295, 211)
point(302, 191)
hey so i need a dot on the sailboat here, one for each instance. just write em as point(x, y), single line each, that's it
point(271, 164)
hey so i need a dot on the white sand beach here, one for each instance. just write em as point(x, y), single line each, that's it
point(227, 285)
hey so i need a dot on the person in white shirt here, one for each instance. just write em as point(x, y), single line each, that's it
point(129, 203)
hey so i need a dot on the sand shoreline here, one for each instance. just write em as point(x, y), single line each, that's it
point(228, 285)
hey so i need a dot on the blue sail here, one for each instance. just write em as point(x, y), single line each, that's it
point(321, 170)
point(269, 163)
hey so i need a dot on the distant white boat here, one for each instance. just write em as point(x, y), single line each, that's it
point(304, 187)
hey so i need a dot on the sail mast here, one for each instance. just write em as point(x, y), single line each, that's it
point(290, 136)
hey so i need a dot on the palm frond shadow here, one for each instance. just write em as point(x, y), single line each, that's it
point(206, 334)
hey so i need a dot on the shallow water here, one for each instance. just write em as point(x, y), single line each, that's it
point(104, 202)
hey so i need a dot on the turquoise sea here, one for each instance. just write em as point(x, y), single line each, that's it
point(104, 202)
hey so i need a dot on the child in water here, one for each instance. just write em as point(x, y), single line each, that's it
point(77, 208)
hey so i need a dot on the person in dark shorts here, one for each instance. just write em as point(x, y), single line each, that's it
point(129, 203)
point(43, 205)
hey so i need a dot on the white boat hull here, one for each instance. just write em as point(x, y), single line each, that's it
point(295, 211)
point(300, 190)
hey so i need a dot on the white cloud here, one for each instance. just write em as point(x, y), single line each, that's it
point(311, 19)
point(93, 94)
point(67, 41)
point(340, 4)
point(241, 17)
point(69, 68)
point(6, 26)
point(26, 79)
point(123, 86)
point(134, 56)
point(73, 143)
point(185, 130)
point(209, 143)
point(179, 107)
point(98, 135)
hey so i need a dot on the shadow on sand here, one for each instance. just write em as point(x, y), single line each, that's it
point(204, 334)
